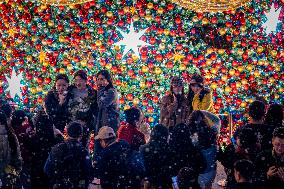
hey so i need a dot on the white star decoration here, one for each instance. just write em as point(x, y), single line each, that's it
point(14, 82)
point(131, 40)
point(272, 20)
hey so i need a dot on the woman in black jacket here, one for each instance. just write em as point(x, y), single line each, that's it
point(157, 172)
point(108, 112)
point(182, 151)
point(56, 102)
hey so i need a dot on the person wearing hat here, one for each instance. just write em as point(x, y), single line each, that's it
point(68, 164)
point(112, 164)
point(56, 102)
point(199, 97)
point(174, 108)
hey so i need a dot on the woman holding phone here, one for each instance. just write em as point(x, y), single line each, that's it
point(56, 102)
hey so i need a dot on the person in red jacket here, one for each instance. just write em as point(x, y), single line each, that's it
point(128, 130)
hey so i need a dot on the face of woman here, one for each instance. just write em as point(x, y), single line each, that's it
point(61, 86)
point(177, 89)
point(195, 87)
point(80, 83)
point(102, 81)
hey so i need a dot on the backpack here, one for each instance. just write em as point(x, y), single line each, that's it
point(71, 174)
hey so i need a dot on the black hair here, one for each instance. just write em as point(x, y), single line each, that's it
point(180, 137)
point(278, 132)
point(6, 108)
point(132, 115)
point(187, 178)
point(159, 134)
point(18, 117)
point(248, 138)
point(63, 77)
point(107, 76)
point(245, 168)
point(274, 115)
point(82, 74)
point(198, 78)
point(74, 129)
point(257, 110)
point(43, 125)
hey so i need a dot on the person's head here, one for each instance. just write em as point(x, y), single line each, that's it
point(187, 178)
point(132, 116)
point(243, 170)
point(61, 83)
point(43, 124)
point(196, 83)
point(7, 109)
point(274, 115)
point(104, 79)
point(160, 133)
point(247, 138)
point(106, 136)
point(180, 137)
point(177, 85)
point(18, 118)
point(278, 141)
point(257, 110)
point(80, 79)
point(75, 130)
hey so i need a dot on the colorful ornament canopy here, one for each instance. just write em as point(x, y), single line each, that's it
point(210, 5)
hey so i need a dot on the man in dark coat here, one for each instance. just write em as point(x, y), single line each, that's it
point(263, 131)
point(270, 165)
point(113, 165)
point(68, 164)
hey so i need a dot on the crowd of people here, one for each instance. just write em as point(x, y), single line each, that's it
point(50, 150)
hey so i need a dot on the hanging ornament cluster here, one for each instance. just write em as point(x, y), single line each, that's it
point(143, 44)
point(210, 6)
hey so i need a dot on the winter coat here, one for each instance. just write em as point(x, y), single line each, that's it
point(58, 113)
point(233, 154)
point(40, 147)
point(84, 109)
point(264, 134)
point(186, 157)
point(205, 104)
point(10, 163)
point(157, 172)
point(112, 167)
point(131, 134)
point(173, 113)
point(264, 161)
point(68, 164)
point(108, 110)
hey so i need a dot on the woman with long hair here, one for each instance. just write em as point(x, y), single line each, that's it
point(199, 97)
point(107, 98)
point(174, 109)
point(10, 156)
point(56, 102)
point(182, 151)
point(205, 127)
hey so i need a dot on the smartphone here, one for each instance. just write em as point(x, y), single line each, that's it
point(175, 184)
